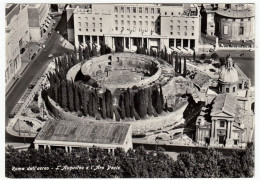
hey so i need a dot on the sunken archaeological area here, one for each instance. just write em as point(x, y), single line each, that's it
point(123, 87)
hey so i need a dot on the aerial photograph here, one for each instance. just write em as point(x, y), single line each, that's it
point(129, 90)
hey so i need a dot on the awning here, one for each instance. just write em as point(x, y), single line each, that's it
point(49, 17)
point(45, 28)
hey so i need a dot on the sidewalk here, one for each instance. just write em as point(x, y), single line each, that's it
point(34, 47)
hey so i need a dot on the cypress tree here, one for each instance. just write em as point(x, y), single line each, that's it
point(158, 102)
point(161, 97)
point(194, 54)
point(76, 98)
point(180, 65)
point(70, 96)
point(80, 54)
point(185, 67)
point(127, 102)
point(141, 107)
point(103, 107)
point(64, 102)
point(109, 104)
point(131, 104)
point(122, 107)
point(85, 101)
point(176, 63)
point(150, 103)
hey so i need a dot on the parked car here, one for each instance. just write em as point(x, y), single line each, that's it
point(33, 56)
point(211, 50)
point(31, 86)
point(50, 55)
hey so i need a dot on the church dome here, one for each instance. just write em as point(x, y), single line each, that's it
point(228, 73)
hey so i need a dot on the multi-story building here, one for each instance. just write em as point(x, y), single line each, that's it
point(17, 36)
point(39, 20)
point(129, 25)
point(228, 21)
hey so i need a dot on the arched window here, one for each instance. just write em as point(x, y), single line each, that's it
point(241, 30)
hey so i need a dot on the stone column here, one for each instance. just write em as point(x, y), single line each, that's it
point(97, 40)
point(129, 43)
point(76, 41)
point(113, 43)
point(182, 43)
point(231, 128)
point(142, 42)
point(215, 130)
point(228, 129)
point(148, 47)
point(212, 128)
point(44, 147)
point(174, 42)
point(124, 39)
point(84, 41)
point(90, 37)
point(189, 43)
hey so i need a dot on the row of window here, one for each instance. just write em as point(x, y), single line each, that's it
point(185, 33)
point(86, 18)
point(145, 10)
point(94, 30)
point(128, 16)
point(240, 32)
point(134, 23)
point(93, 24)
point(140, 29)
point(179, 28)
point(241, 20)
point(186, 22)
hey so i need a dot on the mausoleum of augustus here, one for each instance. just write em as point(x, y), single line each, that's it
point(121, 87)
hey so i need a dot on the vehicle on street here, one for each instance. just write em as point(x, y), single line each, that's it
point(31, 86)
point(50, 55)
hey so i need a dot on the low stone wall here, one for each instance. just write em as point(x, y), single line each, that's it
point(151, 123)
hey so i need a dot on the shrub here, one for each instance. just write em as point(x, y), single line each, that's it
point(207, 61)
point(35, 110)
point(40, 118)
point(29, 123)
point(36, 96)
point(216, 65)
point(202, 56)
point(80, 114)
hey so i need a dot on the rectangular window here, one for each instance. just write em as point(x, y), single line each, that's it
point(171, 21)
point(79, 29)
point(185, 33)
point(86, 24)
point(94, 30)
point(116, 28)
point(93, 25)
point(122, 9)
point(128, 16)
point(79, 18)
point(186, 22)
point(171, 33)
point(140, 23)
point(93, 18)
point(86, 18)
point(134, 9)
point(140, 10)
point(100, 25)
point(115, 16)
point(152, 23)
point(140, 17)
point(185, 27)
point(146, 10)
point(192, 34)
point(134, 17)
point(179, 21)
point(179, 33)
point(152, 10)
point(100, 19)
point(179, 28)
point(116, 22)
point(87, 30)
point(192, 27)
point(165, 13)
point(146, 23)
point(134, 23)
point(225, 29)
point(192, 22)
point(222, 123)
point(241, 30)
point(128, 23)
point(234, 89)
point(128, 9)
point(122, 22)
point(171, 28)
point(79, 23)
point(100, 30)
point(227, 90)
point(116, 9)
point(172, 13)
point(158, 11)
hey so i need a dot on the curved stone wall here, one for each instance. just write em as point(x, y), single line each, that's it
point(73, 72)
point(132, 60)
point(140, 126)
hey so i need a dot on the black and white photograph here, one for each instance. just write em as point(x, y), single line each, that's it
point(129, 89)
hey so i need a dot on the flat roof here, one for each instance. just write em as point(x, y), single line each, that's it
point(246, 13)
point(84, 132)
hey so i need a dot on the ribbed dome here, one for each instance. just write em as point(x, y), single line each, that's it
point(228, 73)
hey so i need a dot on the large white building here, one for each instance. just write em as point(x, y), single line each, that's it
point(128, 25)
point(17, 36)
point(39, 20)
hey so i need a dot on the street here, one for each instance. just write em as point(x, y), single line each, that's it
point(33, 72)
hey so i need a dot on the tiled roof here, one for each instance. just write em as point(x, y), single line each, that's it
point(236, 13)
point(200, 79)
point(224, 103)
point(84, 132)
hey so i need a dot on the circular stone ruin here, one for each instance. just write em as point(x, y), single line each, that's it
point(118, 73)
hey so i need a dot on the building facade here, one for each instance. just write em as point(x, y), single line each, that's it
point(130, 25)
point(39, 20)
point(17, 37)
point(229, 21)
